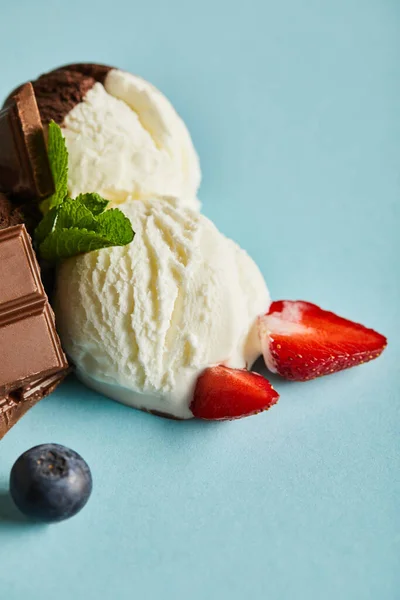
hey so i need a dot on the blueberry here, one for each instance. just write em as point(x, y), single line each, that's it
point(50, 483)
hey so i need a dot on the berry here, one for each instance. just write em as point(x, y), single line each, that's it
point(50, 483)
point(222, 393)
point(301, 341)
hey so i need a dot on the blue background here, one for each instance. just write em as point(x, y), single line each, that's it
point(294, 109)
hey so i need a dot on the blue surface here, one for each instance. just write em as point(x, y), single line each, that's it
point(294, 109)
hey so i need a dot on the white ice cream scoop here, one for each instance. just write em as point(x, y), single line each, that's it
point(141, 322)
point(126, 141)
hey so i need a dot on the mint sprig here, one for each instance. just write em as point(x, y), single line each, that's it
point(73, 226)
point(58, 159)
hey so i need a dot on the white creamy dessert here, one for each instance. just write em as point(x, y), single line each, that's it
point(141, 322)
point(126, 141)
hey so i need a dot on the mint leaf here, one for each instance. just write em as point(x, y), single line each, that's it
point(94, 202)
point(58, 159)
point(71, 228)
point(46, 226)
point(64, 243)
point(114, 225)
point(72, 213)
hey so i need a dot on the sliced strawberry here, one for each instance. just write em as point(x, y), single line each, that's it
point(222, 393)
point(301, 341)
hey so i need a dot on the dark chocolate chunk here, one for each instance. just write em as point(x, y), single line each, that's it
point(24, 166)
point(15, 404)
point(31, 358)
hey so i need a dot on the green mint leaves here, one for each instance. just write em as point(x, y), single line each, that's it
point(58, 159)
point(73, 226)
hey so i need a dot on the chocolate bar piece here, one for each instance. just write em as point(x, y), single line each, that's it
point(15, 404)
point(24, 166)
point(31, 358)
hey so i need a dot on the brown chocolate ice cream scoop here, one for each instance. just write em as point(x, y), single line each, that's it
point(59, 91)
point(94, 70)
point(57, 94)
point(9, 214)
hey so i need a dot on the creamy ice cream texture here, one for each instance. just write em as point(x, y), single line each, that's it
point(126, 141)
point(141, 322)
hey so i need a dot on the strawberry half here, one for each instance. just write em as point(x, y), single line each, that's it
point(222, 393)
point(301, 341)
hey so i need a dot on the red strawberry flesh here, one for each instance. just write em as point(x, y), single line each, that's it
point(301, 341)
point(222, 393)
